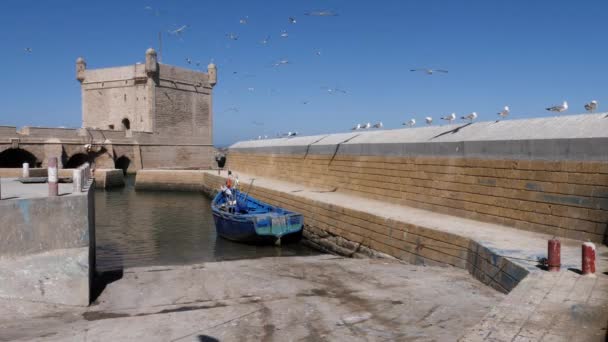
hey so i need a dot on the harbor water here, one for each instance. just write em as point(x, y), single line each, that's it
point(149, 228)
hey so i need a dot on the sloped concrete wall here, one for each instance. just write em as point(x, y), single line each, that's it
point(546, 175)
point(47, 248)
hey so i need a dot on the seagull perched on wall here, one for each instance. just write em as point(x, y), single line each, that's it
point(450, 117)
point(356, 128)
point(470, 117)
point(505, 112)
point(378, 125)
point(366, 126)
point(292, 134)
point(591, 106)
point(410, 123)
point(559, 108)
point(429, 120)
point(430, 71)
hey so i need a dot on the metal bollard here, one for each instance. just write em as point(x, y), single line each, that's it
point(554, 255)
point(77, 180)
point(588, 267)
point(25, 173)
point(52, 177)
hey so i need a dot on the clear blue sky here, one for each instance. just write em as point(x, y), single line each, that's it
point(527, 54)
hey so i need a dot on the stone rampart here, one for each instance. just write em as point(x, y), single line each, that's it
point(547, 175)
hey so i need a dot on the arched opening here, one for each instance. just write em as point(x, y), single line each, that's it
point(77, 160)
point(126, 124)
point(15, 157)
point(122, 163)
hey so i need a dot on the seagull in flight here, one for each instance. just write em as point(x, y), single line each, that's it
point(243, 21)
point(591, 106)
point(292, 20)
point(430, 71)
point(429, 120)
point(356, 128)
point(28, 50)
point(265, 40)
point(178, 31)
point(410, 123)
point(322, 13)
point(334, 90)
point(284, 34)
point(470, 117)
point(505, 112)
point(378, 125)
point(559, 108)
point(189, 60)
point(232, 36)
point(450, 117)
point(281, 62)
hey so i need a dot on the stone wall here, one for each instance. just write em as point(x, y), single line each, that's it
point(552, 178)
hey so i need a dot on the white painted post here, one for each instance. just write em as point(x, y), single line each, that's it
point(52, 177)
point(77, 180)
point(25, 173)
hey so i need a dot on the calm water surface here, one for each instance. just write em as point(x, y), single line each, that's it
point(147, 228)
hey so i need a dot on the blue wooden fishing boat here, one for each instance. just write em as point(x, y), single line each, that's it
point(240, 217)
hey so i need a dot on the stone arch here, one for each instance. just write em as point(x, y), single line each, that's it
point(122, 163)
point(76, 160)
point(126, 124)
point(15, 157)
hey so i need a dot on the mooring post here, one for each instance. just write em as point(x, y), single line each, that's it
point(554, 255)
point(25, 173)
point(77, 180)
point(52, 177)
point(588, 267)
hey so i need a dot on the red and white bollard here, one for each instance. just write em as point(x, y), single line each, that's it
point(52, 177)
point(588, 267)
point(554, 255)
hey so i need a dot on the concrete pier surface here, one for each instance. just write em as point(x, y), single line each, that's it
point(538, 303)
point(315, 298)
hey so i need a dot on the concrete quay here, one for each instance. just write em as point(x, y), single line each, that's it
point(316, 298)
point(500, 256)
point(104, 178)
point(47, 244)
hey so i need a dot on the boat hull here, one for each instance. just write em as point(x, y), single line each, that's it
point(259, 223)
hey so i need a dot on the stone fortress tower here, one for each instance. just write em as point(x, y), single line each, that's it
point(151, 97)
point(166, 110)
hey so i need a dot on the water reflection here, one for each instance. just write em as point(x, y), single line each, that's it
point(165, 228)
